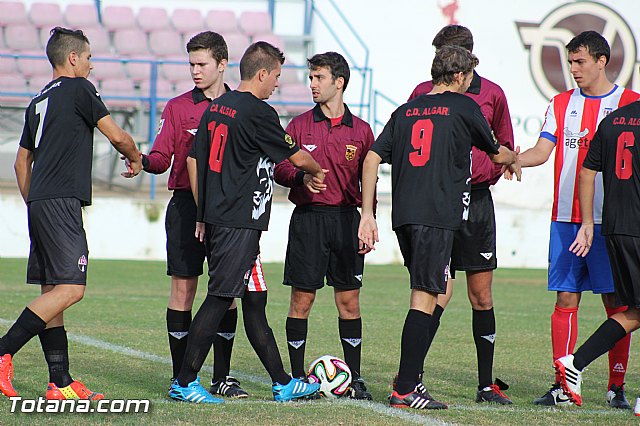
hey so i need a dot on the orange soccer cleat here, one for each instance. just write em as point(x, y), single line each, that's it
point(6, 375)
point(76, 390)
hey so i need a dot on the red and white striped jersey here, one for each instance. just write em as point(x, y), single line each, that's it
point(571, 122)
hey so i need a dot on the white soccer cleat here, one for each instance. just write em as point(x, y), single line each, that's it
point(636, 410)
point(570, 378)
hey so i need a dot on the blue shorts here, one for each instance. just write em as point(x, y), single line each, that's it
point(568, 272)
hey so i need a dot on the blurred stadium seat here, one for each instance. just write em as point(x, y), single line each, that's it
point(81, 16)
point(22, 38)
point(165, 43)
point(116, 18)
point(252, 23)
point(187, 21)
point(45, 15)
point(222, 21)
point(153, 18)
point(34, 67)
point(13, 13)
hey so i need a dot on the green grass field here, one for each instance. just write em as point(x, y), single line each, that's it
point(118, 346)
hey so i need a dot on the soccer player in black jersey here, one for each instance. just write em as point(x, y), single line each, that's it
point(53, 168)
point(428, 143)
point(237, 143)
point(615, 152)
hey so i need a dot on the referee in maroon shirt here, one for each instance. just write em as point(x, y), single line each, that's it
point(323, 233)
point(474, 245)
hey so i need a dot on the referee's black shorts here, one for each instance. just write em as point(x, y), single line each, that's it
point(232, 254)
point(58, 253)
point(474, 244)
point(185, 254)
point(323, 242)
point(625, 266)
point(426, 252)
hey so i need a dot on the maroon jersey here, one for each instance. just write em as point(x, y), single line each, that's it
point(493, 105)
point(341, 149)
point(175, 136)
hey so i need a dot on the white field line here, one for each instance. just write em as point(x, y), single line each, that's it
point(123, 350)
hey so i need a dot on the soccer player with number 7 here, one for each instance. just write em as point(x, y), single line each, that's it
point(53, 168)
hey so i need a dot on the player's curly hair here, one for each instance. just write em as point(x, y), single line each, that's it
point(258, 56)
point(64, 41)
point(336, 63)
point(449, 61)
point(211, 41)
point(593, 42)
point(454, 35)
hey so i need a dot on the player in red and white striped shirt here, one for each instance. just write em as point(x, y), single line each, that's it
point(570, 123)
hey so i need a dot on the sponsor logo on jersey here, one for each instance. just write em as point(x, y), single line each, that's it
point(547, 39)
point(310, 148)
point(192, 131)
point(574, 113)
point(487, 255)
point(577, 139)
point(160, 125)
point(358, 277)
point(350, 153)
point(82, 263)
point(227, 336)
point(178, 334)
point(295, 343)
point(289, 140)
point(490, 337)
point(619, 368)
point(352, 341)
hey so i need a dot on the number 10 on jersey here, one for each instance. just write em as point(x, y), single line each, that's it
point(219, 135)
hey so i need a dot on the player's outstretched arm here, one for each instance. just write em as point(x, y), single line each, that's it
point(305, 162)
point(123, 143)
point(22, 167)
point(538, 154)
point(368, 228)
point(586, 190)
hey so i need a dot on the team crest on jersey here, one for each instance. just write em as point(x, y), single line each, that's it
point(350, 153)
point(160, 125)
point(82, 263)
point(607, 111)
point(289, 140)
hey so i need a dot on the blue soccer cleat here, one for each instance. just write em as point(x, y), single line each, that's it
point(193, 392)
point(295, 389)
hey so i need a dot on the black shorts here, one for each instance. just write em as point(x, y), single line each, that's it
point(185, 254)
point(474, 244)
point(426, 252)
point(624, 256)
point(58, 253)
point(232, 254)
point(323, 242)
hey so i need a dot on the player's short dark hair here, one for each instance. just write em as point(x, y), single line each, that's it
point(449, 61)
point(258, 56)
point(336, 63)
point(64, 41)
point(211, 41)
point(454, 35)
point(593, 42)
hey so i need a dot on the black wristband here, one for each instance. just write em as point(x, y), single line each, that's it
point(145, 162)
point(299, 179)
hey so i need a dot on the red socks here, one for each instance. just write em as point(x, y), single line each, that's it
point(619, 355)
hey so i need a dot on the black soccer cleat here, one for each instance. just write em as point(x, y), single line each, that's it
point(229, 387)
point(493, 394)
point(420, 387)
point(416, 401)
point(358, 390)
point(554, 397)
point(616, 397)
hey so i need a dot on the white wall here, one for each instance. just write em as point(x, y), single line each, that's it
point(119, 228)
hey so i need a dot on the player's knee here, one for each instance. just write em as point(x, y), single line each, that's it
point(74, 294)
point(566, 299)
